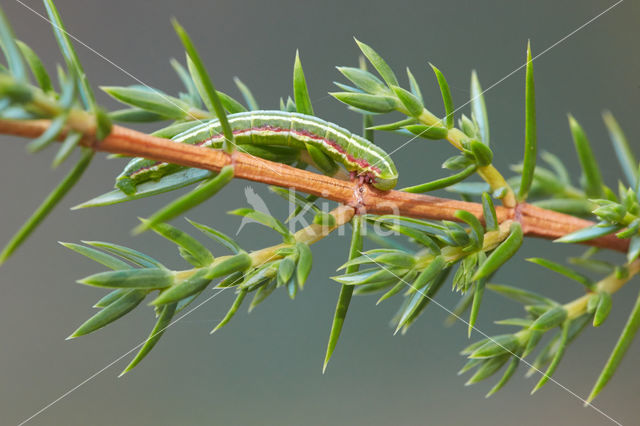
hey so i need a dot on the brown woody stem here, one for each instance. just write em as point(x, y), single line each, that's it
point(535, 221)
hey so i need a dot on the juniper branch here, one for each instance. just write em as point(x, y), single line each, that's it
point(609, 284)
point(476, 251)
point(535, 221)
point(489, 173)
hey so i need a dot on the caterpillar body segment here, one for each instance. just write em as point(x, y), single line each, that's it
point(277, 136)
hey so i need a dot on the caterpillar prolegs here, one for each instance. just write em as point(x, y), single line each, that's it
point(278, 136)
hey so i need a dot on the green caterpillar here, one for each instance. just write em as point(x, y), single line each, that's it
point(279, 136)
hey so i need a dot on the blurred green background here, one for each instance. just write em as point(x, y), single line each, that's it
point(265, 368)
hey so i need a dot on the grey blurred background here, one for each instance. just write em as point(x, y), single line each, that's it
point(265, 368)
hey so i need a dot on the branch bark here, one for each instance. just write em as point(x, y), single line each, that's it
point(535, 221)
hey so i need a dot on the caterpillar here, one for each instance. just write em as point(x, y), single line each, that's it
point(279, 136)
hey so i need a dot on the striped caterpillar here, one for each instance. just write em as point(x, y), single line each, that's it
point(278, 136)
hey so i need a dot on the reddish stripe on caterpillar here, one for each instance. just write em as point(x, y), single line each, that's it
point(266, 132)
